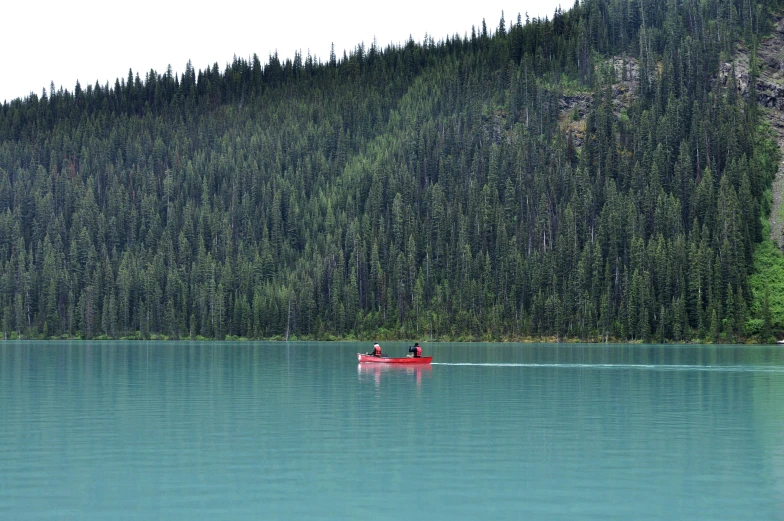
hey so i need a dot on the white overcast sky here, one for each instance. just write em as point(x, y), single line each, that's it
point(65, 41)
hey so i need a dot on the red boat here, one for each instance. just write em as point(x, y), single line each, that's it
point(370, 359)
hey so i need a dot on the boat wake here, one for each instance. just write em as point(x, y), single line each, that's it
point(642, 367)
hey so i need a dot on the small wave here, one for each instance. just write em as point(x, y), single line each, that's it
point(649, 367)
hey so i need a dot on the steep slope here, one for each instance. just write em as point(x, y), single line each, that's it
point(764, 84)
point(768, 90)
point(519, 183)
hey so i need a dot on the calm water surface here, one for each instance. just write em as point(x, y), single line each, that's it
point(113, 430)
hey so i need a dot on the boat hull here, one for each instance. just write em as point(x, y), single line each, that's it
point(370, 359)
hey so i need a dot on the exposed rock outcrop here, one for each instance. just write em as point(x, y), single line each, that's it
point(574, 106)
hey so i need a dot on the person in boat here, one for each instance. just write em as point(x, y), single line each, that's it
point(376, 350)
point(416, 350)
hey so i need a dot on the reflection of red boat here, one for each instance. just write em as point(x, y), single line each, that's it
point(394, 368)
point(370, 359)
point(364, 371)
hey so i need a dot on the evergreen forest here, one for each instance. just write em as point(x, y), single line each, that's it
point(591, 175)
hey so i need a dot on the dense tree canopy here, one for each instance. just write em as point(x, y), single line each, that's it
point(589, 175)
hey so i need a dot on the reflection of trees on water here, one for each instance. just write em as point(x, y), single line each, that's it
point(767, 410)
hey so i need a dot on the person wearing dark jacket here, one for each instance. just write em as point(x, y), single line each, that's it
point(416, 350)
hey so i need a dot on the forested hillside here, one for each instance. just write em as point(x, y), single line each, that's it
point(587, 176)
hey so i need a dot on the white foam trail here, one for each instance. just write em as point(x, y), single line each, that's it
point(650, 367)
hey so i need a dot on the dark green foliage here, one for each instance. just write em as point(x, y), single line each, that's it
point(431, 190)
point(767, 285)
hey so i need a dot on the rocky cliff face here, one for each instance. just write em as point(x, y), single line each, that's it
point(769, 88)
point(574, 107)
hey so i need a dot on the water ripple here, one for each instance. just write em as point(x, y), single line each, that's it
point(644, 367)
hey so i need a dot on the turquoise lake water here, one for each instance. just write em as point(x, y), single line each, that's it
point(300, 431)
